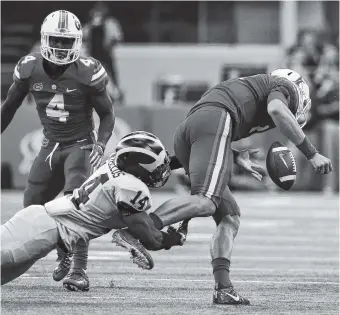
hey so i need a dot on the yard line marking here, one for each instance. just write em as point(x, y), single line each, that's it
point(204, 280)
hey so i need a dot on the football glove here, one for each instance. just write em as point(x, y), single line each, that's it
point(97, 152)
point(172, 238)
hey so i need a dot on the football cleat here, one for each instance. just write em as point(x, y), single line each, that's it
point(229, 296)
point(183, 230)
point(77, 280)
point(139, 254)
point(63, 267)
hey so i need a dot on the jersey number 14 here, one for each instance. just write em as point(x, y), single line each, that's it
point(56, 108)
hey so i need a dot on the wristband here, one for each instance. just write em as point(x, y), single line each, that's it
point(101, 144)
point(307, 148)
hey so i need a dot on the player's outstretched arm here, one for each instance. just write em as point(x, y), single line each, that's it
point(289, 127)
point(142, 227)
point(15, 96)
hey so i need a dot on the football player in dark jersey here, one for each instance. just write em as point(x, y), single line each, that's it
point(230, 111)
point(66, 89)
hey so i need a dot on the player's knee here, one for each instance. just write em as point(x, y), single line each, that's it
point(204, 206)
point(230, 223)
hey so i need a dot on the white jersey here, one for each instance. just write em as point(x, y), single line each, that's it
point(98, 205)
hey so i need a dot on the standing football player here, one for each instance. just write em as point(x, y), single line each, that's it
point(66, 89)
point(230, 111)
point(113, 197)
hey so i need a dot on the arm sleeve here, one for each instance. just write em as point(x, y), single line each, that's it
point(99, 79)
point(24, 68)
point(135, 199)
point(285, 92)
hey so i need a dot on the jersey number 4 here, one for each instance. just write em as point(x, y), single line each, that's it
point(56, 108)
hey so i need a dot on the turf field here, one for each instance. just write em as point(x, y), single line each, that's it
point(285, 260)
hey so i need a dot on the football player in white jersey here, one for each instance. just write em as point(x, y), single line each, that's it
point(113, 197)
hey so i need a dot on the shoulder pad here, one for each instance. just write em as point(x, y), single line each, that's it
point(95, 73)
point(25, 66)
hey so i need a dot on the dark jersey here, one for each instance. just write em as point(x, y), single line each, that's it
point(246, 100)
point(63, 103)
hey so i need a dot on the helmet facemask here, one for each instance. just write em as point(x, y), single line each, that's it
point(305, 102)
point(161, 174)
point(50, 47)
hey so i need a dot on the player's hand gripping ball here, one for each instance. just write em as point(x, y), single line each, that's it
point(281, 165)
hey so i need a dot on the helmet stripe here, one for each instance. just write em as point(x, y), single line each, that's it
point(140, 150)
point(66, 20)
point(141, 136)
point(62, 19)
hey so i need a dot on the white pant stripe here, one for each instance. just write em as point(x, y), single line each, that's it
point(219, 158)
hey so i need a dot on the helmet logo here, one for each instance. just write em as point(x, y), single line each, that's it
point(77, 25)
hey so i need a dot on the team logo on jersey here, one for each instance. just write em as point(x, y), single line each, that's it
point(54, 87)
point(38, 86)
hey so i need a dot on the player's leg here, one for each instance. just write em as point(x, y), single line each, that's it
point(227, 218)
point(45, 180)
point(28, 236)
point(202, 145)
point(77, 169)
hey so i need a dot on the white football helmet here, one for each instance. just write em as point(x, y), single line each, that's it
point(143, 155)
point(302, 88)
point(61, 37)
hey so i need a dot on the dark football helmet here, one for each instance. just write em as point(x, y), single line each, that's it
point(143, 155)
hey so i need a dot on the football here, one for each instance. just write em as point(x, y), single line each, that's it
point(281, 165)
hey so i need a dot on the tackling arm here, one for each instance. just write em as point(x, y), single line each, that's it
point(16, 94)
point(142, 227)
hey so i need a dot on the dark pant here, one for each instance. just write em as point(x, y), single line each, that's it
point(57, 167)
point(203, 146)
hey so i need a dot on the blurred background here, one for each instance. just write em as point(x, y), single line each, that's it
point(163, 55)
